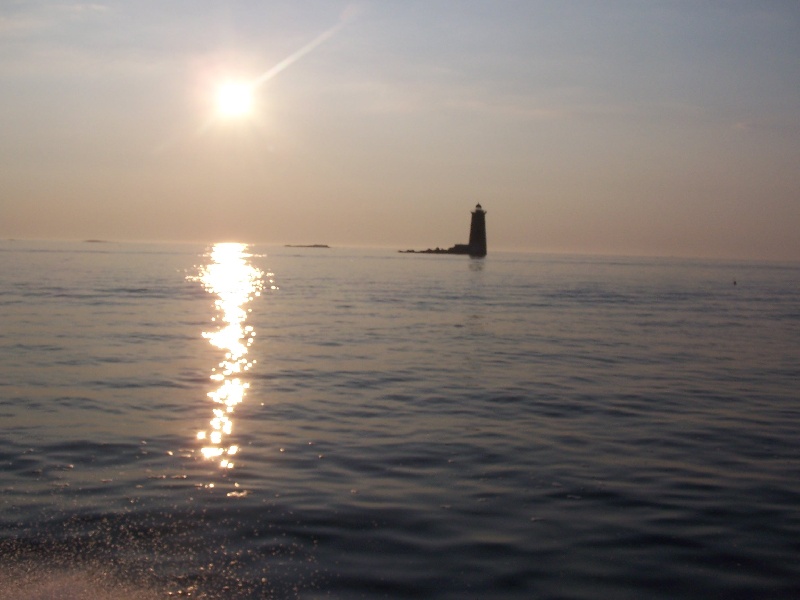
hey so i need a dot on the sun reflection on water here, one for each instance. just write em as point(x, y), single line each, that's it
point(235, 282)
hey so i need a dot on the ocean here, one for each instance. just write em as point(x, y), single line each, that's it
point(247, 422)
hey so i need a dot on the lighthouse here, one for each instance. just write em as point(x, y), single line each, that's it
point(477, 233)
point(477, 239)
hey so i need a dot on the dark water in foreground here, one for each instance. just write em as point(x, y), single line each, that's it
point(364, 424)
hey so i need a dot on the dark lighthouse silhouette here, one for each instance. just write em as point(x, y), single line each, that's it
point(476, 248)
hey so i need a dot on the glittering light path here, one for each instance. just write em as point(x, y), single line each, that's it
point(235, 282)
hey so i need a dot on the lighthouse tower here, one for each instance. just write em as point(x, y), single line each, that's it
point(477, 233)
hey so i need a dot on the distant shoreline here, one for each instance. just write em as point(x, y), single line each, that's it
point(457, 249)
point(307, 246)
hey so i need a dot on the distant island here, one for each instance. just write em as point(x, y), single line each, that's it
point(95, 241)
point(457, 249)
point(307, 246)
point(477, 239)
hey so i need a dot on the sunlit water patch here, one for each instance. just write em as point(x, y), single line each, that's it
point(234, 282)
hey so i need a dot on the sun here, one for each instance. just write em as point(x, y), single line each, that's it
point(235, 99)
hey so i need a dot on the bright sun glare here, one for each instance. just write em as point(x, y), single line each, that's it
point(235, 99)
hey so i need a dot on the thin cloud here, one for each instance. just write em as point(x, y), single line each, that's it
point(36, 19)
point(84, 8)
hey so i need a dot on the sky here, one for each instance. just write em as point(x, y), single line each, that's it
point(646, 128)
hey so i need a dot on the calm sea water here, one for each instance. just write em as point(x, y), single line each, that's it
point(230, 422)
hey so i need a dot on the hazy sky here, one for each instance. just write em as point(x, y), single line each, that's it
point(631, 127)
